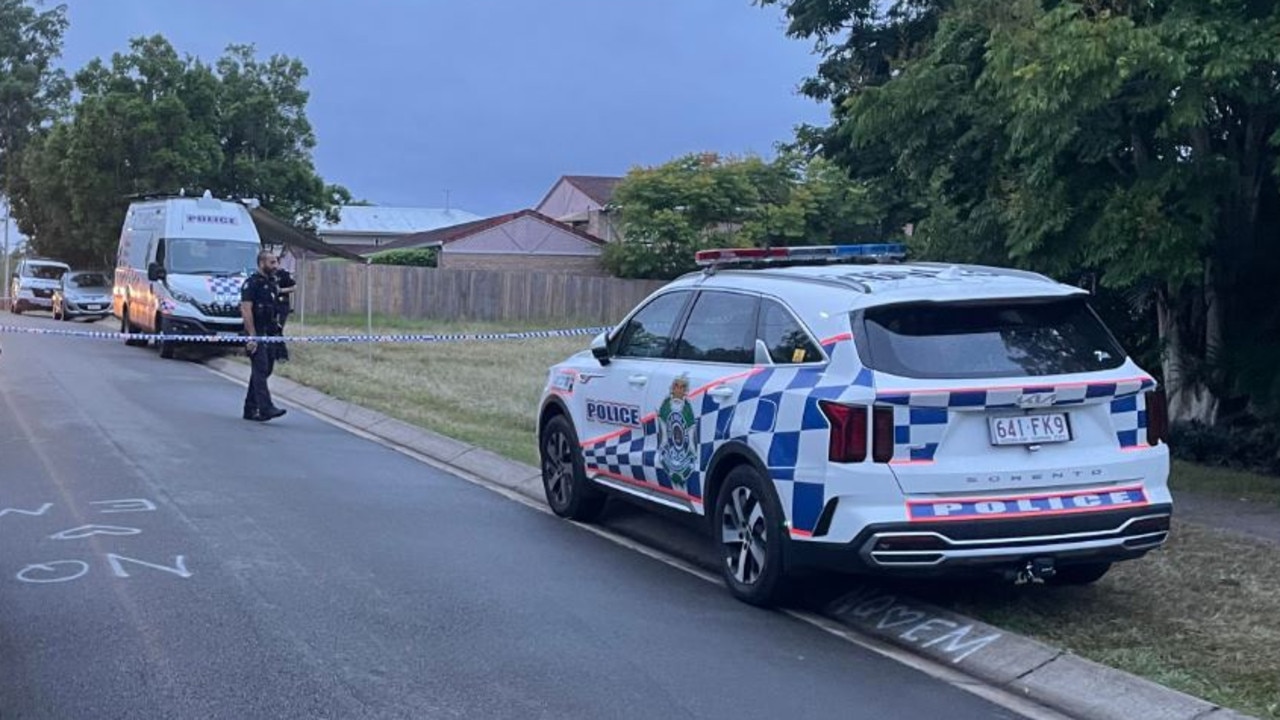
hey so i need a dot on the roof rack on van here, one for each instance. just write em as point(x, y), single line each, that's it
point(804, 255)
point(167, 195)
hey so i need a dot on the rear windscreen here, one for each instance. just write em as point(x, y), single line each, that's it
point(1004, 338)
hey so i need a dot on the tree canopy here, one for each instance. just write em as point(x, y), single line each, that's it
point(1136, 142)
point(707, 200)
point(151, 120)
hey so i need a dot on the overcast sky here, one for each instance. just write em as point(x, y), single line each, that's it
point(495, 99)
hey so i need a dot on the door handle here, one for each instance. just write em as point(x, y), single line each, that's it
point(638, 380)
point(721, 392)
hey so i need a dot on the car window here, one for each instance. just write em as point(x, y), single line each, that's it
point(721, 328)
point(648, 333)
point(44, 272)
point(787, 340)
point(987, 339)
point(87, 280)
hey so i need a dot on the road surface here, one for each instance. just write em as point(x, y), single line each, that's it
point(160, 557)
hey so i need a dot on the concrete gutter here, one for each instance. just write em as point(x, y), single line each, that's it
point(1031, 669)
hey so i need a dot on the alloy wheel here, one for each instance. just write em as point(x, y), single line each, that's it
point(744, 535)
point(557, 467)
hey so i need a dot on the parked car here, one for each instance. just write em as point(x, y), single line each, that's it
point(882, 417)
point(82, 294)
point(33, 284)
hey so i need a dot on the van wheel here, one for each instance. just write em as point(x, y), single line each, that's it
point(126, 328)
point(569, 492)
point(1080, 574)
point(750, 537)
point(167, 347)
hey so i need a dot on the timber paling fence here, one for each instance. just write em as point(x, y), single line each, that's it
point(334, 288)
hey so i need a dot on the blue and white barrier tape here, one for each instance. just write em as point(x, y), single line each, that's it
point(306, 339)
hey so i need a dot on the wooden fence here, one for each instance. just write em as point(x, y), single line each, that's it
point(338, 288)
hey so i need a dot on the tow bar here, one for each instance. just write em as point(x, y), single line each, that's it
point(1035, 571)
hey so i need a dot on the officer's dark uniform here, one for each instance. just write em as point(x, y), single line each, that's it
point(262, 291)
point(284, 280)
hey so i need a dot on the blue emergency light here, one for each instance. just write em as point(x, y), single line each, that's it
point(793, 255)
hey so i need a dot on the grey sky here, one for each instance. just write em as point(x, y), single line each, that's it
point(495, 99)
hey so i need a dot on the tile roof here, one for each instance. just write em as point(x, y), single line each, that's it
point(446, 235)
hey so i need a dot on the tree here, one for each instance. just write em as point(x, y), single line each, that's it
point(698, 201)
point(1134, 142)
point(31, 88)
point(152, 121)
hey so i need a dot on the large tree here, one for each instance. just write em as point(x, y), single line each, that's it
point(153, 121)
point(671, 211)
point(1136, 141)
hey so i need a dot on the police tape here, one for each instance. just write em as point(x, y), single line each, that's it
point(407, 338)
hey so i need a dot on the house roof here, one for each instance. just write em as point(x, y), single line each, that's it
point(597, 187)
point(380, 220)
point(446, 235)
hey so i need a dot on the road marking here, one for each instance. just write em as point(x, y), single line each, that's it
point(179, 566)
point(31, 513)
point(124, 506)
point(85, 531)
point(51, 567)
point(995, 695)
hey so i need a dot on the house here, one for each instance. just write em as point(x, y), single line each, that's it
point(584, 202)
point(364, 227)
point(523, 240)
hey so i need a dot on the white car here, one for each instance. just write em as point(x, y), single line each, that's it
point(33, 284)
point(833, 408)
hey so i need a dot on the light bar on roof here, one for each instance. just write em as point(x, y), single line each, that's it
point(814, 254)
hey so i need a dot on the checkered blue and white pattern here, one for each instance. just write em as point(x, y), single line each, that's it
point(1129, 415)
point(225, 287)
point(921, 417)
point(775, 411)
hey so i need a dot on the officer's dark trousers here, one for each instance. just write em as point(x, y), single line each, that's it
point(258, 399)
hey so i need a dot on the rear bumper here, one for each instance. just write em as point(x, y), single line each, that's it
point(918, 548)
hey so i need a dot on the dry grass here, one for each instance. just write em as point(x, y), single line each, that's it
point(481, 393)
point(1201, 615)
point(1226, 483)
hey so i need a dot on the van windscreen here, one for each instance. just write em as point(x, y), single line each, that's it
point(197, 256)
point(986, 339)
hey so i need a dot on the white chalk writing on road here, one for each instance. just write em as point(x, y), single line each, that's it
point(123, 506)
point(179, 565)
point(85, 531)
point(873, 608)
point(56, 571)
point(33, 513)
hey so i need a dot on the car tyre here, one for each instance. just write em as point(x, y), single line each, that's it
point(751, 537)
point(167, 348)
point(126, 328)
point(1079, 574)
point(564, 477)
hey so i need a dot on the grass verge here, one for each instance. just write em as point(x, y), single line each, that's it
point(1199, 615)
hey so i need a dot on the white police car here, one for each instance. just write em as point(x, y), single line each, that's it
point(830, 407)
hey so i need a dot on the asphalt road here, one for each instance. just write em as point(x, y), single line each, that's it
point(162, 558)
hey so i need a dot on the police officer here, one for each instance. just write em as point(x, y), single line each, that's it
point(258, 307)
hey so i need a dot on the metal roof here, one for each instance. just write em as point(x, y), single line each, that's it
point(380, 220)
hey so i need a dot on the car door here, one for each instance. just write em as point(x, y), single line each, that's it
point(609, 399)
point(693, 395)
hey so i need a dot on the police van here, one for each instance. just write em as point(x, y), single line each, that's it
point(837, 407)
point(180, 265)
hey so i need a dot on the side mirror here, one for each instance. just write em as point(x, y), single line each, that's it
point(600, 348)
point(155, 272)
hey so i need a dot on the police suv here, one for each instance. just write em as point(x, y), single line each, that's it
point(832, 407)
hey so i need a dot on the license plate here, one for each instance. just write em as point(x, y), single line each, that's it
point(1030, 429)
point(94, 307)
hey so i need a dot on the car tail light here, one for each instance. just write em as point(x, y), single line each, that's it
point(1157, 418)
point(882, 435)
point(848, 442)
